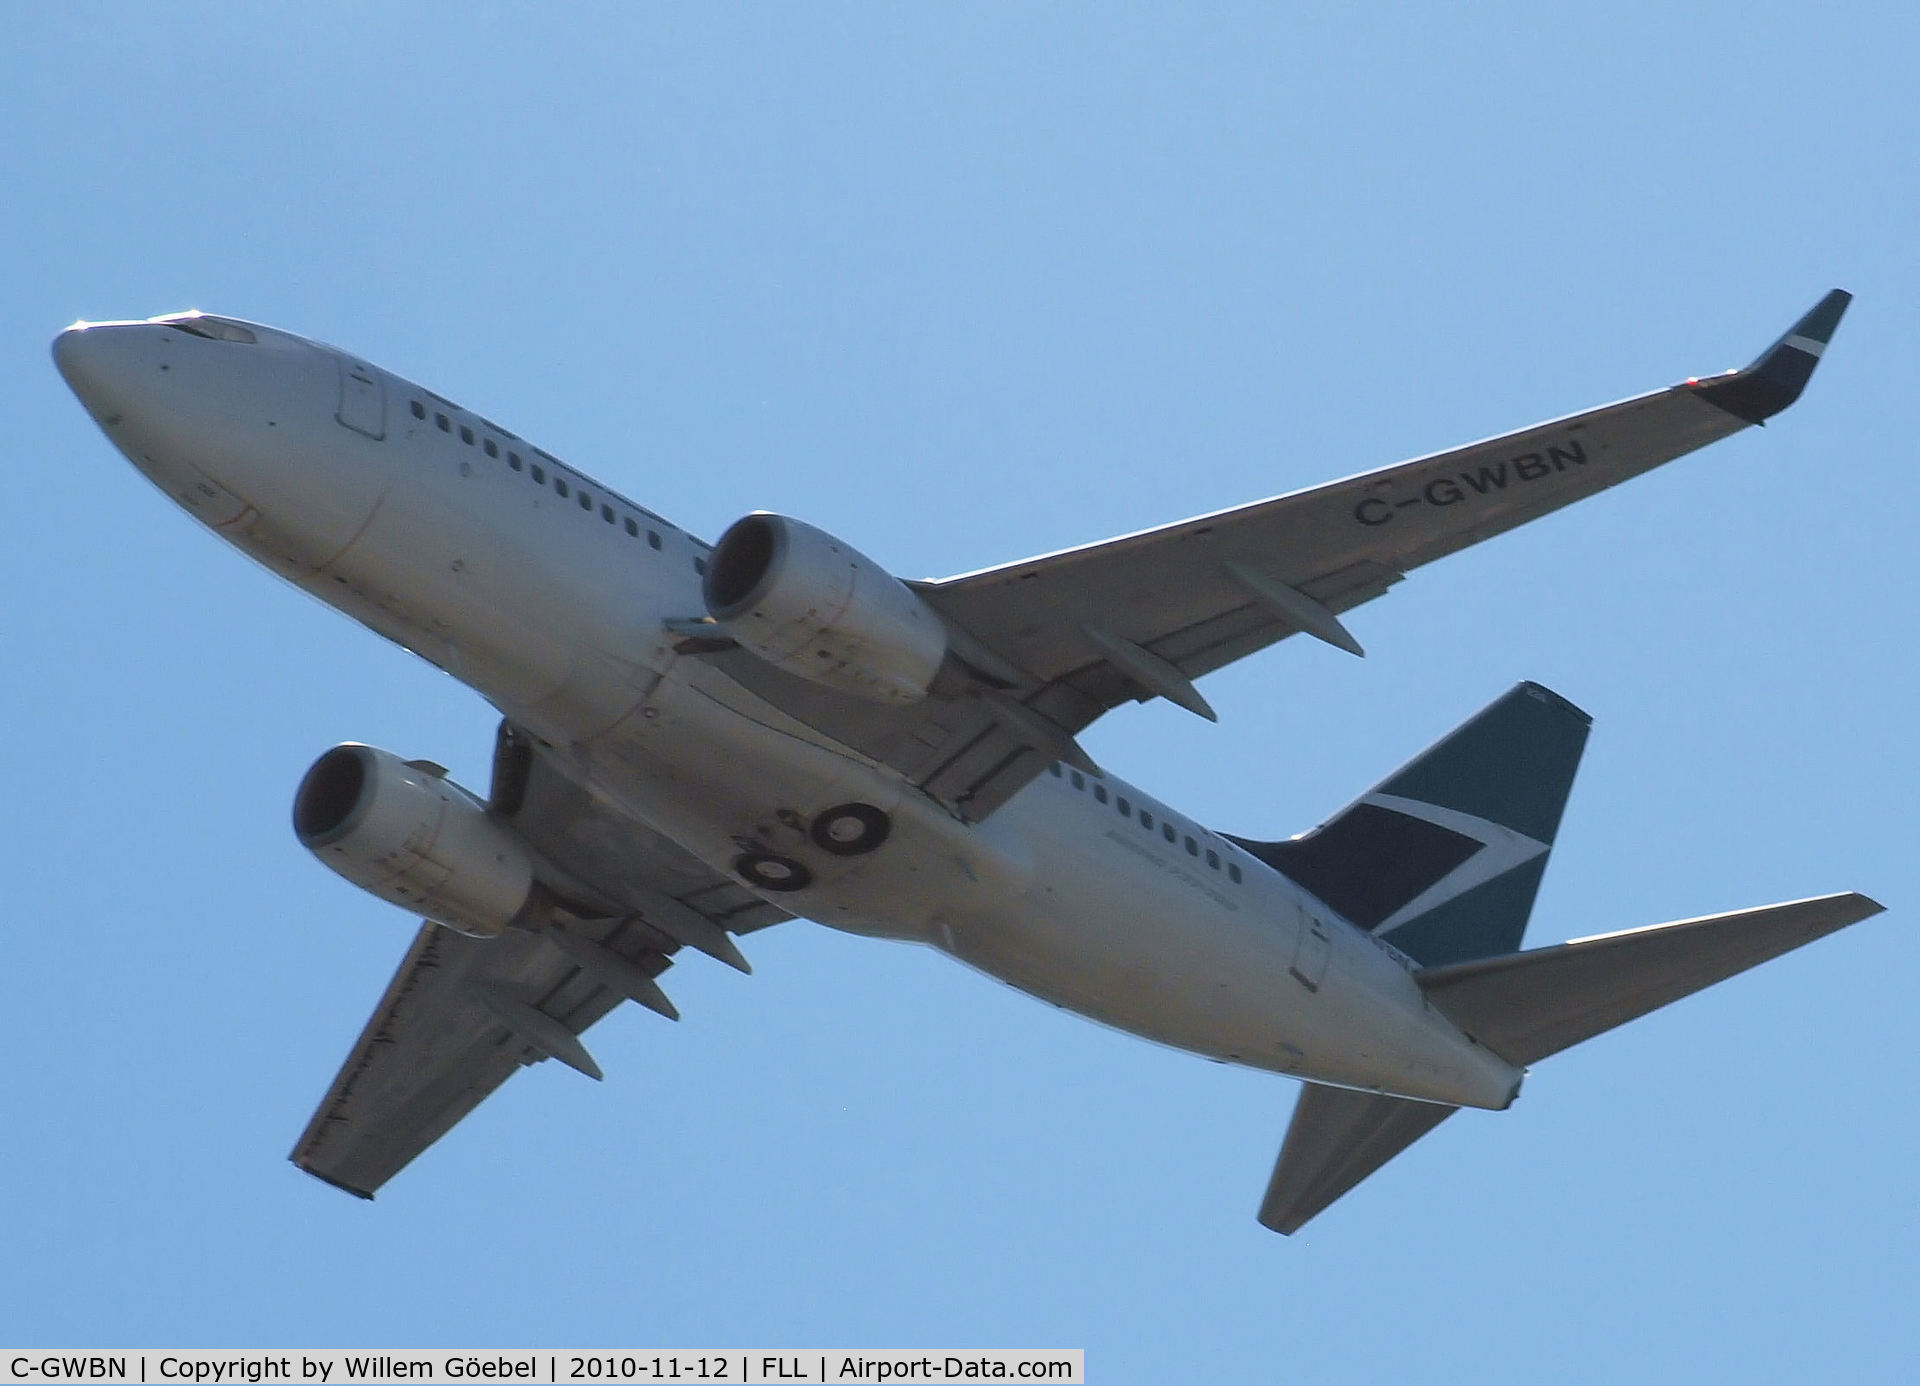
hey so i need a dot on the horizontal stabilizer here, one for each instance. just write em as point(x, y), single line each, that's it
point(1525, 1006)
point(1338, 1137)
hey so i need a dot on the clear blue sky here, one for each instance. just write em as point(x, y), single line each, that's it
point(962, 284)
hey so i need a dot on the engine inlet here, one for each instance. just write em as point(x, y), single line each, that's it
point(332, 796)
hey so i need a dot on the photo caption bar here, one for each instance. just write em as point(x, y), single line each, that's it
point(735, 1366)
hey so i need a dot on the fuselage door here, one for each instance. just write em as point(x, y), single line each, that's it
point(1310, 955)
point(363, 398)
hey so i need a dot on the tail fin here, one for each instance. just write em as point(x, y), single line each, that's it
point(1526, 1006)
point(1444, 858)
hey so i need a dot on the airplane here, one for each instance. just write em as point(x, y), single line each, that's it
point(699, 741)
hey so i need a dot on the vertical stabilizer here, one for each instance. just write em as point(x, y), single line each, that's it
point(1443, 859)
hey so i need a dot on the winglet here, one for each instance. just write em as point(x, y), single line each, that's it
point(1782, 371)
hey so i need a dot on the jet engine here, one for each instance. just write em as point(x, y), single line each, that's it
point(403, 831)
point(809, 604)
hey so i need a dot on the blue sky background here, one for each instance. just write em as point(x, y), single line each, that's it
point(964, 284)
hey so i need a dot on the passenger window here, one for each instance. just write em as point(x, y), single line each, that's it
point(1054, 769)
point(1146, 820)
point(560, 484)
point(653, 539)
point(1166, 831)
point(493, 448)
point(700, 566)
point(1079, 780)
point(586, 502)
point(539, 473)
point(1193, 848)
point(1126, 809)
point(513, 461)
point(1213, 859)
point(466, 435)
point(1233, 872)
point(633, 529)
point(1100, 792)
point(441, 422)
point(419, 410)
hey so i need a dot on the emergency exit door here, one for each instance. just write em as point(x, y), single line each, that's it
point(363, 399)
point(1311, 953)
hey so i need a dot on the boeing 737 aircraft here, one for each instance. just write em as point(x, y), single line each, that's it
point(701, 741)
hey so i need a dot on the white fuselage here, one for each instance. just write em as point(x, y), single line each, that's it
point(548, 594)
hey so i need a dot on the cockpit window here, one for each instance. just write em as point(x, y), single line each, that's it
point(214, 329)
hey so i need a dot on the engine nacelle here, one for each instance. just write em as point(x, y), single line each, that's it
point(814, 606)
point(414, 838)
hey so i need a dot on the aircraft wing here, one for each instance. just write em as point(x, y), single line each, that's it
point(463, 1014)
point(1058, 640)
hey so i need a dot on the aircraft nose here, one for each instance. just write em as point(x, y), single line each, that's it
point(97, 362)
point(70, 352)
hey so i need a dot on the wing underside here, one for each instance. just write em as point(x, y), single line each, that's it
point(435, 1048)
point(1058, 640)
point(462, 1014)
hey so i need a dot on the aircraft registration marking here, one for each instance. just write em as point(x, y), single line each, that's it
point(1485, 479)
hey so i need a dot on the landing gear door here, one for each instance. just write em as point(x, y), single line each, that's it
point(363, 398)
